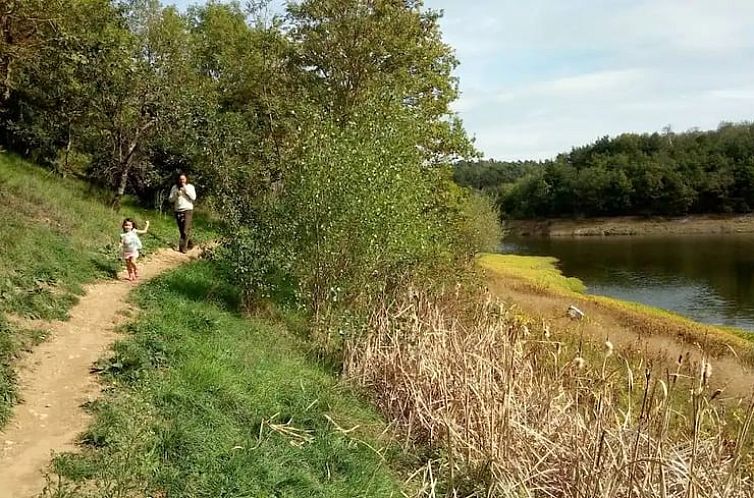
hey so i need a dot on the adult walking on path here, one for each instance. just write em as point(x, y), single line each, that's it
point(183, 195)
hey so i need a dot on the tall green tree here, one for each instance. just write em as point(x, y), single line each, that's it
point(26, 26)
point(351, 51)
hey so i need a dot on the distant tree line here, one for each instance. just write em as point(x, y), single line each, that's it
point(667, 173)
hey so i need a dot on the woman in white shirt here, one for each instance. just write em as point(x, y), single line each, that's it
point(183, 195)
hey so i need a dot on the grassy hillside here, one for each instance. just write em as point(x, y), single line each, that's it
point(56, 235)
point(205, 402)
point(209, 403)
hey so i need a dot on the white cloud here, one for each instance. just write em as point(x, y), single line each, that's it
point(738, 93)
point(542, 76)
point(591, 84)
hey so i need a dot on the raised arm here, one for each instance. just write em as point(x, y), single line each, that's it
point(190, 192)
point(146, 229)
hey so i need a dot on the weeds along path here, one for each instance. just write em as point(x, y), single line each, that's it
point(55, 380)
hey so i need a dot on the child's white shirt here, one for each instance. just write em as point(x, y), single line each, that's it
point(130, 241)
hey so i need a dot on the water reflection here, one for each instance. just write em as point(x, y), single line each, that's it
point(709, 279)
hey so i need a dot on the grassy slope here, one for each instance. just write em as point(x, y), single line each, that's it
point(542, 274)
point(198, 392)
point(55, 235)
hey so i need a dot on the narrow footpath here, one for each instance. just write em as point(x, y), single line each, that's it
point(55, 379)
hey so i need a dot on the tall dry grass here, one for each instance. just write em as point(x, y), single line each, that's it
point(512, 410)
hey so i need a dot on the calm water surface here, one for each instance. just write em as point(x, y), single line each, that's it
point(709, 279)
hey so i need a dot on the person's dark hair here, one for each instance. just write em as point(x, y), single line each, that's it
point(129, 220)
point(178, 178)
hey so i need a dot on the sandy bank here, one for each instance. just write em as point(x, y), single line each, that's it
point(624, 226)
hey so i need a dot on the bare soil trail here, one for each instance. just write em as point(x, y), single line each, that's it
point(55, 379)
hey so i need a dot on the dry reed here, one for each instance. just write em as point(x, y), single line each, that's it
point(513, 412)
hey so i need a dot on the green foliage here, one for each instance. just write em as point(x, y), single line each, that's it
point(8, 347)
point(477, 226)
point(26, 26)
point(668, 174)
point(322, 137)
point(356, 51)
point(358, 199)
point(209, 403)
point(340, 195)
point(489, 174)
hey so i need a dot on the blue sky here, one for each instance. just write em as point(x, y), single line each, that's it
point(541, 76)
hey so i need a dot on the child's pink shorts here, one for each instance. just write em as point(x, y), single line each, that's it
point(133, 255)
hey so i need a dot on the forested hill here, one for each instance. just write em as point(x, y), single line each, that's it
point(649, 174)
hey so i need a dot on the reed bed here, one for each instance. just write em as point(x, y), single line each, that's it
point(509, 409)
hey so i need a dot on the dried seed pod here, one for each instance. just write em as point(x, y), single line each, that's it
point(706, 372)
point(608, 348)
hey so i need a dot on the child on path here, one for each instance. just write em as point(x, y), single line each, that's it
point(130, 245)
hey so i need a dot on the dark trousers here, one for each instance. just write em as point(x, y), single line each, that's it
point(184, 218)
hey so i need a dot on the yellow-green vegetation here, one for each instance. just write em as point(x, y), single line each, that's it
point(56, 235)
point(539, 270)
point(541, 274)
point(206, 402)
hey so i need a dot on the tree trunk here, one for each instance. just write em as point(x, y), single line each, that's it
point(125, 161)
point(5, 74)
point(124, 166)
point(5, 54)
point(68, 145)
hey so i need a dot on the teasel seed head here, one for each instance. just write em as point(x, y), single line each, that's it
point(579, 362)
point(706, 372)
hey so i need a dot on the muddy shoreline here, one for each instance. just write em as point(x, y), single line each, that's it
point(632, 226)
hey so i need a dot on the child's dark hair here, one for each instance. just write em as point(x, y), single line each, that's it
point(129, 220)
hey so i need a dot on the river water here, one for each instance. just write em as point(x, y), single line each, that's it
point(707, 278)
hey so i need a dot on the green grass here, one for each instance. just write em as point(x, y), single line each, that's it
point(56, 235)
point(197, 391)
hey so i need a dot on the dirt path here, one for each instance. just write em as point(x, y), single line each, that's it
point(654, 338)
point(55, 380)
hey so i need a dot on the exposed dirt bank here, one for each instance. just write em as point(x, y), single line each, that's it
point(537, 288)
point(687, 225)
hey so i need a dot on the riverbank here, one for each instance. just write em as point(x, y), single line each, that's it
point(536, 287)
point(632, 225)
